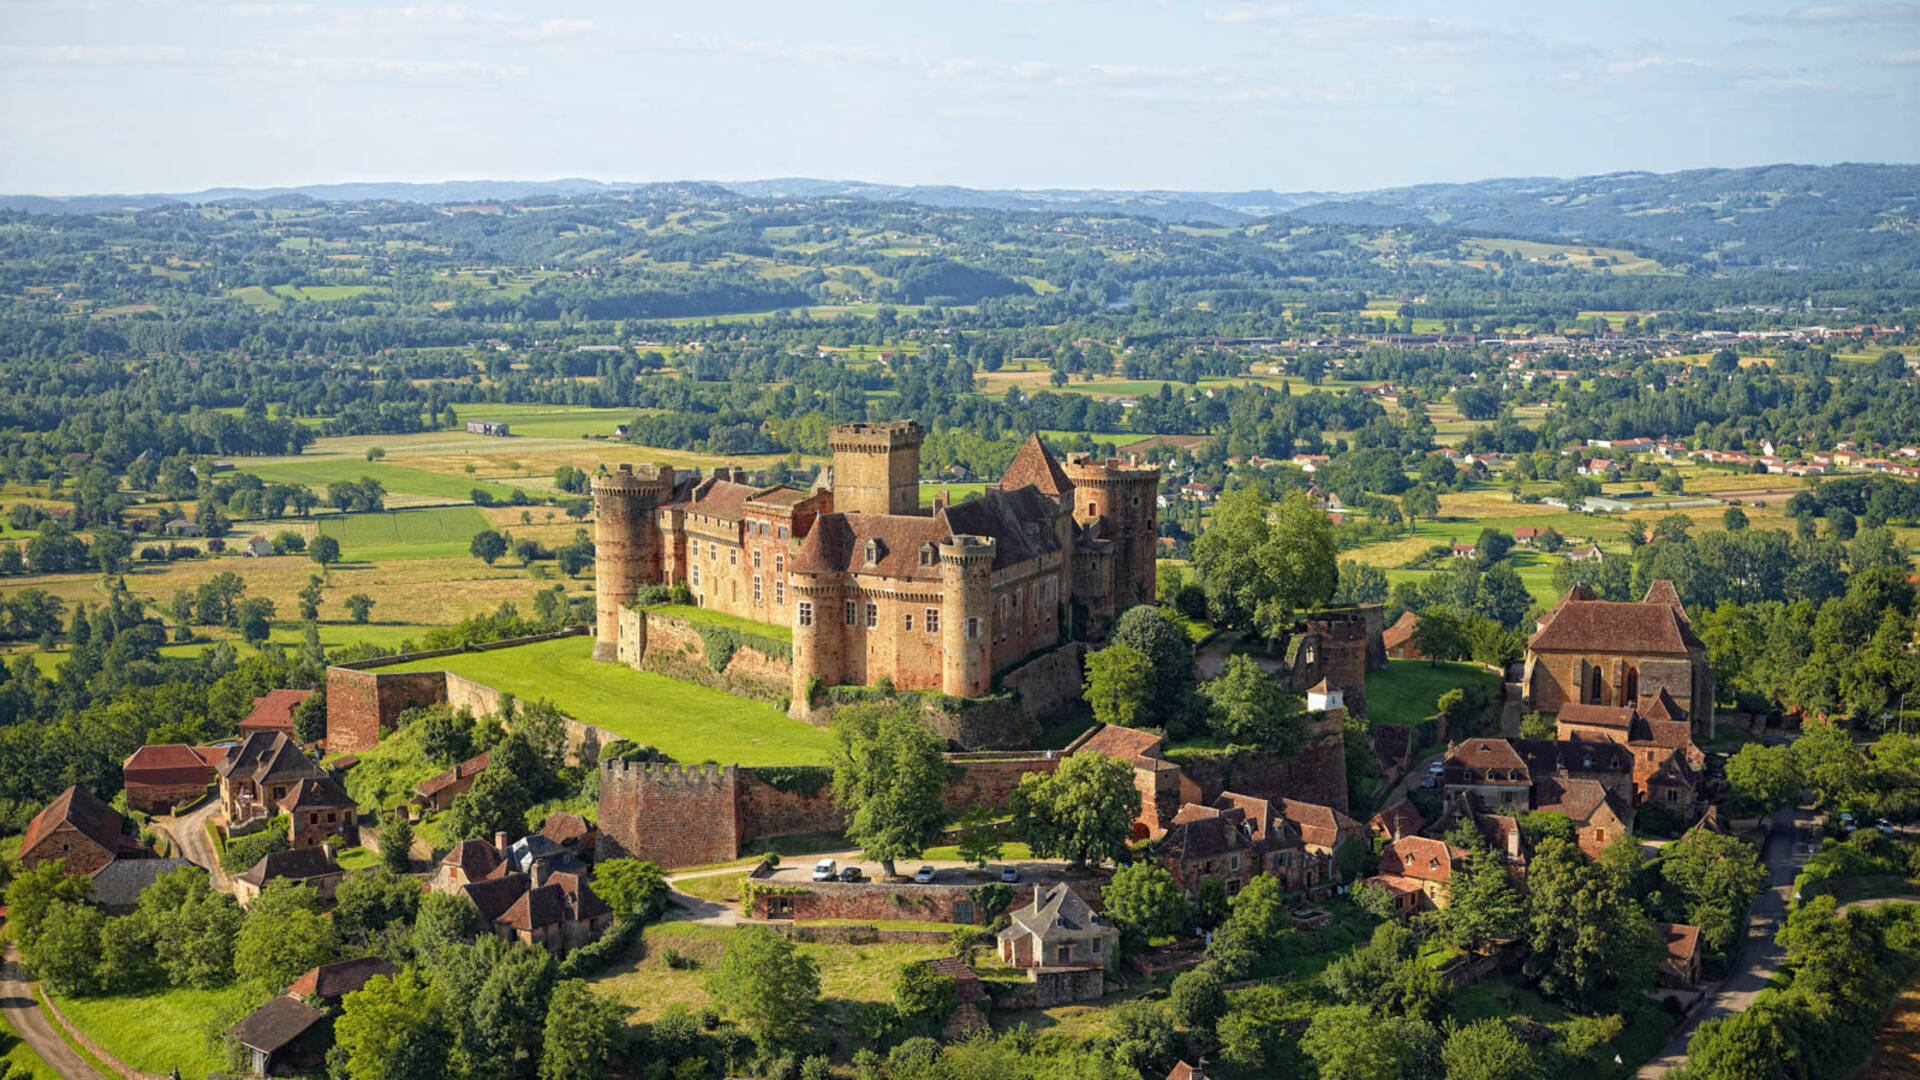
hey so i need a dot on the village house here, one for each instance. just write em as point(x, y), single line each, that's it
point(257, 546)
point(1528, 535)
point(437, 792)
point(1414, 870)
point(575, 834)
point(259, 773)
point(468, 862)
point(1666, 765)
point(1058, 930)
point(1234, 840)
point(1399, 818)
point(80, 829)
point(313, 866)
point(558, 912)
point(319, 811)
point(331, 982)
point(1398, 638)
point(1681, 968)
point(1589, 783)
point(116, 888)
point(159, 777)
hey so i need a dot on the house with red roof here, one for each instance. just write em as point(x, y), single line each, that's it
point(274, 712)
point(1415, 870)
point(79, 828)
point(1589, 651)
point(159, 777)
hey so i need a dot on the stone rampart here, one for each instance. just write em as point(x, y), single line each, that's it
point(1049, 685)
point(660, 643)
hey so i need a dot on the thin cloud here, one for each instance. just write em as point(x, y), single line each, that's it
point(1838, 14)
point(249, 63)
point(1904, 57)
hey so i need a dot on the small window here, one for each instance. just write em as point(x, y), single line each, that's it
point(926, 554)
point(873, 615)
point(733, 556)
point(973, 626)
point(780, 590)
point(873, 552)
point(963, 911)
point(693, 548)
point(803, 614)
point(907, 620)
point(853, 613)
point(756, 558)
point(781, 532)
point(779, 564)
point(933, 620)
point(756, 589)
point(1233, 862)
point(696, 575)
point(1092, 510)
point(1064, 954)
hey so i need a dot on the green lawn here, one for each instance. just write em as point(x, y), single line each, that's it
point(1408, 690)
point(161, 1030)
point(686, 721)
point(431, 533)
point(695, 614)
point(550, 421)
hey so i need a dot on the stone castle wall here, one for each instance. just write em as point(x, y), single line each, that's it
point(890, 902)
point(672, 815)
point(652, 641)
point(1049, 685)
point(1317, 774)
point(363, 705)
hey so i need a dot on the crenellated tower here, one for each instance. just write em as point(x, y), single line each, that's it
point(626, 541)
point(672, 815)
point(1117, 499)
point(876, 467)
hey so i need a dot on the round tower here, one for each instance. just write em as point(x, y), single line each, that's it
point(818, 637)
point(626, 544)
point(1124, 494)
point(966, 610)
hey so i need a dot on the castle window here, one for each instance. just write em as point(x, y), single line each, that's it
point(1092, 510)
point(873, 614)
point(693, 548)
point(779, 590)
point(803, 613)
point(756, 558)
point(933, 620)
point(973, 626)
point(853, 613)
point(781, 532)
point(696, 575)
point(926, 554)
point(908, 625)
point(779, 563)
point(733, 556)
point(873, 552)
point(756, 588)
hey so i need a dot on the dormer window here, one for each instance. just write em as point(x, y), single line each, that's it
point(873, 552)
point(927, 554)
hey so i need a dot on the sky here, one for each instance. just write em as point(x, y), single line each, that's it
point(175, 95)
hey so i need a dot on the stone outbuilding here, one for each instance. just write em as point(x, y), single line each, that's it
point(1059, 930)
point(277, 1030)
point(78, 827)
point(309, 866)
point(158, 778)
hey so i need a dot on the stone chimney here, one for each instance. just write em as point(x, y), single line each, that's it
point(326, 849)
point(941, 500)
point(500, 843)
point(538, 872)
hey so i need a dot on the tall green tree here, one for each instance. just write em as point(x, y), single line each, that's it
point(1082, 812)
point(1250, 707)
point(582, 1032)
point(1119, 683)
point(1145, 902)
point(1261, 562)
point(284, 935)
point(391, 1029)
point(888, 776)
point(1591, 946)
point(766, 984)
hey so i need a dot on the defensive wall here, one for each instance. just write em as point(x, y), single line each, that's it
point(895, 902)
point(753, 667)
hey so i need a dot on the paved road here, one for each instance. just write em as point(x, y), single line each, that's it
point(189, 836)
point(16, 997)
point(797, 868)
point(1759, 955)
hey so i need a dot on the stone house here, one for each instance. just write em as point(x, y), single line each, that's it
point(1681, 969)
point(331, 982)
point(312, 866)
point(1598, 818)
point(160, 777)
point(1219, 842)
point(573, 833)
point(1058, 930)
point(1589, 651)
point(319, 811)
point(259, 773)
point(559, 912)
point(1321, 829)
point(1492, 770)
point(1415, 871)
point(468, 862)
point(79, 828)
point(1400, 818)
point(1398, 638)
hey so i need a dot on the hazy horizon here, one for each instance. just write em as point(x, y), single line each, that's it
point(98, 96)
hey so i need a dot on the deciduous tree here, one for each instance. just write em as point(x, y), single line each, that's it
point(888, 775)
point(1082, 812)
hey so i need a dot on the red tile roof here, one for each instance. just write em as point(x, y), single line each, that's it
point(1401, 631)
point(1683, 941)
point(81, 809)
point(1131, 745)
point(274, 712)
point(1421, 858)
point(1318, 825)
point(1402, 818)
point(1035, 466)
point(432, 785)
point(337, 980)
point(1648, 628)
point(1613, 717)
point(564, 828)
point(475, 858)
point(170, 763)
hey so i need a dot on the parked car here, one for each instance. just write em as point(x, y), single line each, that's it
point(851, 873)
point(825, 870)
point(1009, 875)
point(1435, 768)
point(1846, 821)
point(1885, 827)
point(924, 875)
point(1430, 780)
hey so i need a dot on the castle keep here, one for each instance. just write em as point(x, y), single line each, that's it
point(874, 586)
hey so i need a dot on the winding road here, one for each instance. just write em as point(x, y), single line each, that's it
point(33, 1026)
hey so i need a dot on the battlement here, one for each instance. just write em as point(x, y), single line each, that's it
point(875, 438)
point(1084, 468)
point(669, 774)
point(964, 548)
point(630, 480)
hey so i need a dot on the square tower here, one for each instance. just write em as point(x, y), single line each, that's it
point(876, 467)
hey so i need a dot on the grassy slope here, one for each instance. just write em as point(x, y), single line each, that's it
point(688, 722)
point(711, 617)
point(1405, 693)
point(160, 1030)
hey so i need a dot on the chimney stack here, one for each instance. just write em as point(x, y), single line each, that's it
point(326, 849)
point(539, 872)
point(941, 500)
point(500, 843)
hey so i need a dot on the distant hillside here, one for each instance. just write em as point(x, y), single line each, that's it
point(1844, 217)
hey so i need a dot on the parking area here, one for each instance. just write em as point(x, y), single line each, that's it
point(1023, 871)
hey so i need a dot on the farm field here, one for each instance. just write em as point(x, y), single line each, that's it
point(163, 1030)
point(442, 532)
point(688, 722)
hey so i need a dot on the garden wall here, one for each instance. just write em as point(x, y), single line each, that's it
point(1049, 685)
point(1317, 774)
point(880, 901)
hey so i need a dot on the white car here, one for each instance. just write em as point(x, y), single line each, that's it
point(1436, 768)
point(826, 870)
point(1009, 875)
point(924, 875)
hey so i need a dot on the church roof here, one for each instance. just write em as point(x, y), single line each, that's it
point(1657, 625)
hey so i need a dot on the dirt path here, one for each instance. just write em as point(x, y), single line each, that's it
point(23, 1012)
point(189, 835)
point(1759, 955)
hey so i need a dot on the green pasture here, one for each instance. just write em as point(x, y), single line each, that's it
point(687, 721)
point(549, 421)
point(160, 1030)
point(1407, 692)
point(397, 479)
point(437, 532)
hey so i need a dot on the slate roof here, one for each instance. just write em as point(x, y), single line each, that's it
point(494, 896)
point(84, 811)
point(120, 882)
point(316, 793)
point(1056, 908)
point(1647, 628)
point(1035, 466)
point(274, 712)
point(272, 1026)
point(296, 865)
point(1205, 833)
point(1021, 523)
point(1545, 756)
point(268, 757)
point(337, 980)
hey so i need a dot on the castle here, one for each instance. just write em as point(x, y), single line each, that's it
point(874, 585)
